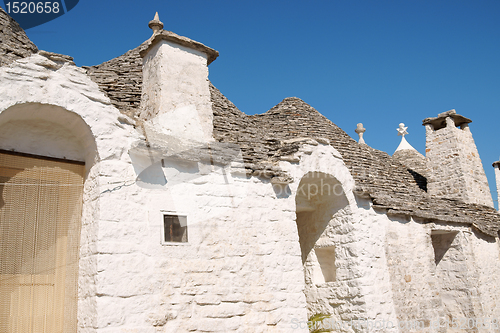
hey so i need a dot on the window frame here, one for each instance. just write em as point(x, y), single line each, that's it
point(164, 213)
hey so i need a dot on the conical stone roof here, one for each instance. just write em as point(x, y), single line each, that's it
point(14, 44)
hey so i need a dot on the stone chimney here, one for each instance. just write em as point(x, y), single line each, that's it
point(456, 171)
point(496, 165)
point(175, 90)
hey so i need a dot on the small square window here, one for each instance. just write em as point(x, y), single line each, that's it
point(175, 228)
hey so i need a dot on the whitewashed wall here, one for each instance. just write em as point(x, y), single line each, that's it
point(497, 177)
point(52, 108)
point(242, 268)
point(175, 92)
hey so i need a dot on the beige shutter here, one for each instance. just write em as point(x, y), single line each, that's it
point(40, 210)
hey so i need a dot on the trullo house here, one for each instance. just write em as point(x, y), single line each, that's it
point(134, 197)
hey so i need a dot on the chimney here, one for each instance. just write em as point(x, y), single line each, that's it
point(456, 171)
point(496, 165)
point(175, 90)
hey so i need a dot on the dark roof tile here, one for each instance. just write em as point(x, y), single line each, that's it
point(121, 79)
point(14, 44)
point(263, 141)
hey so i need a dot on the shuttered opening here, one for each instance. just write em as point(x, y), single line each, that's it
point(40, 211)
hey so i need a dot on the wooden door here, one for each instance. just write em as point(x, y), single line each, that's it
point(40, 210)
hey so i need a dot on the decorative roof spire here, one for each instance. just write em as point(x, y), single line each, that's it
point(402, 131)
point(360, 130)
point(155, 24)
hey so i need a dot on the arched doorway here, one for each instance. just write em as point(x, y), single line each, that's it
point(42, 171)
point(322, 210)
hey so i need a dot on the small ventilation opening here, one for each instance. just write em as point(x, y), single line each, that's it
point(174, 228)
point(441, 242)
point(326, 260)
point(439, 125)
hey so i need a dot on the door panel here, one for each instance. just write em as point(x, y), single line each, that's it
point(40, 208)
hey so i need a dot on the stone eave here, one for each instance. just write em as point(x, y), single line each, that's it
point(482, 218)
point(439, 121)
point(496, 164)
point(180, 40)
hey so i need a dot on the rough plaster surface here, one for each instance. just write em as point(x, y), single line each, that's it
point(457, 287)
point(175, 94)
point(234, 274)
point(497, 177)
point(242, 269)
point(37, 93)
point(57, 140)
point(456, 170)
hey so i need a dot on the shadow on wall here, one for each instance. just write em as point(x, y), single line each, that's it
point(322, 215)
point(319, 197)
point(47, 130)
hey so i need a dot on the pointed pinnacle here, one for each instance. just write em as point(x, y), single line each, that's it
point(156, 24)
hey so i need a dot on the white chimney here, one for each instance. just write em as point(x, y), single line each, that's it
point(175, 90)
point(496, 165)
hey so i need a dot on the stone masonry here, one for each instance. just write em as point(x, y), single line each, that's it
point(496, 165)
point(14, 44)
point(456, 171)
point(286, 216)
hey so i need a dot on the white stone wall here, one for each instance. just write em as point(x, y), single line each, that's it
point(460, 286)
point(376, 282)
point(241, 269)
point(175, 92)
point(234, 273)
point(456, 170)
point(53, 109)
point(497, 177)
point(361, 291)
point(484, 261)
point(410, 261)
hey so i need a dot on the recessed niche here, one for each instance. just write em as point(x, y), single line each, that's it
point(441, 242)
point(326, 260)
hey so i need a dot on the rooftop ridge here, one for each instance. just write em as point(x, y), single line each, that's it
point(120, 79)
point(14, 43)
point(292, 106)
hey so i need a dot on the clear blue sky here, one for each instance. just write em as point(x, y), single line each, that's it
point(376, 62)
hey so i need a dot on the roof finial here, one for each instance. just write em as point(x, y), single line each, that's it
point(402, 130)
point(155, 24)
point(360, 130)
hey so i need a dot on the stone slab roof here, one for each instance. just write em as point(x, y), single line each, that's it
point(180, 40)
point(121, 79)
point(390, 185)
point(440, 120)
point(14, 44)
point(416, 165)
point(266, 139)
